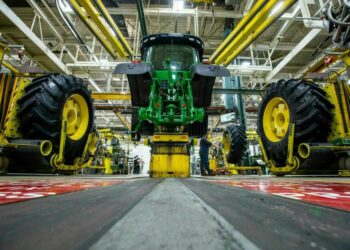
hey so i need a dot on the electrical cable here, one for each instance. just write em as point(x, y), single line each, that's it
point(333, 19)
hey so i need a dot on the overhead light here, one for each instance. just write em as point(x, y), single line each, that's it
point(116, 79)
point(104, 64)
point(178, 4)
point(276, 8)
point(222, 97)
point(246, 63)
point(65, 7)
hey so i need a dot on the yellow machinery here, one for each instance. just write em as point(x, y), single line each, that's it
point(106, 145)
point(304, 128)
point(170, 155)
point(47, 117)
point(225, 158)
point(53, 114)
point(31, 122)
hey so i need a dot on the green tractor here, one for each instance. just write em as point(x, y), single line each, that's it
point(171, 88)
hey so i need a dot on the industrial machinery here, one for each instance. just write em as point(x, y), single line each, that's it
point(109, 158)
point(47, 117)
point(304, 128)
point(171, 89)
point(227, 157)
point(51, 115)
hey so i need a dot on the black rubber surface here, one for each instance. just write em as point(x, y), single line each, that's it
point(276, 223)
point(69, 221)
point(309, 109)
point(146, 128)
point(238, 140)
point(41, 110)
point(198, 129)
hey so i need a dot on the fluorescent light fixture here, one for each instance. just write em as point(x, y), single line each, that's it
point(116, 79)
point(65, 7)
point(222, 97)
point(104, 64)
point(276, 8)
point(178, 4)
point(246, 63)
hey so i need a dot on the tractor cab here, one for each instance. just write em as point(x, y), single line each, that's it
point(174, 52)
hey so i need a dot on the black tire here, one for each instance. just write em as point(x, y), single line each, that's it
point(41, 109)
point(309, 110)
point(238, 140)
point(4, 164)
point(198, 129)
point(145, 129)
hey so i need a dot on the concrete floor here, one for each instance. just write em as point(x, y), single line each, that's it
point(197, 213)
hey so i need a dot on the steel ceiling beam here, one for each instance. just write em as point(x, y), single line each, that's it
point(101, 25)
point(34, 39)
point(238, 91)
point(110, 96)
point(302, 44)
point(122, 119)
point(167, 12)
point(44, 17)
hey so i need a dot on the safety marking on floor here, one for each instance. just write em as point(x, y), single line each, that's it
point(330, 194)
point(21, 190)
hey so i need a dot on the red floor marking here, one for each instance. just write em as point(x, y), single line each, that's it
point(331, 194)
point(20, 190)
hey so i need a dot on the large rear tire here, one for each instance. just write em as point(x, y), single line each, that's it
point(198, 129)
point(294, 101)
point(237, 138)
point(49, 99)
point(146, 128)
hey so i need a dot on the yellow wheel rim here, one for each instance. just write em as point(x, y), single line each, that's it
point(76, 113)
point(276, 119)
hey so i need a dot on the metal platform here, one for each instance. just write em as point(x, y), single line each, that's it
point(197, 213)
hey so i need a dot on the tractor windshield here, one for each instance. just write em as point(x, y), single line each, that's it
point(172, 56)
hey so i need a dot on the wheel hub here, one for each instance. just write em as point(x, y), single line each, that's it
point(76, 113)
point(276, 119)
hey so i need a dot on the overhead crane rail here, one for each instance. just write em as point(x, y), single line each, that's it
point(98, 20)
point(257, 20)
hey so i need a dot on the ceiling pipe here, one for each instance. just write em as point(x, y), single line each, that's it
point(66, 19)
point(261, 16)
point(141, 14)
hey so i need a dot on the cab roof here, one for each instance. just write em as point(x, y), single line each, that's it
point(172, 38)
